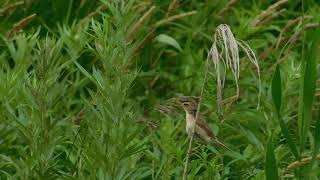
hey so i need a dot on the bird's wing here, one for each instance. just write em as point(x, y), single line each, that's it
point(204, 126)
point(201, 123)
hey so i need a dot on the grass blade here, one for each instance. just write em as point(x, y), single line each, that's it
point(276, 89)
point(316, 141)
point(276, 96)
point(271, 164)
point(309, 86)
point(313, 56)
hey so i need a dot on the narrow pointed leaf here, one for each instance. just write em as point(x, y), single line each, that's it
point(309, 85)
point(276, 89)
point(271, 164)
point(312, 59)
point(316, 141)
point(276, 96)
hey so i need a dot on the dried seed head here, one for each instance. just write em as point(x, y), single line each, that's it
point(224, 52)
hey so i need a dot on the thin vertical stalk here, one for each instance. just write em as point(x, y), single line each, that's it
point(69, 11)
point(301, 99)
point(189, 152)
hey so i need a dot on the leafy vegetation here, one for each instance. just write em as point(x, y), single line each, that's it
point(87, 89)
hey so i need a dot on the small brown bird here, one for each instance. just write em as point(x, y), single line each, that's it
point(202, 129)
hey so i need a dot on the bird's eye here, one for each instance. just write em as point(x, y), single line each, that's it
point(186, 103)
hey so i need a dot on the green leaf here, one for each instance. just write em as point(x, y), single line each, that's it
point(309, 86)
point(271, 164)
point(165, 39)
point(276, 89)
point(313, 56)
point(83, 71)
point(276, 96)
point(316, 141)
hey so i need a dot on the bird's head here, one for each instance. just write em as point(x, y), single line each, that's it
point(189, 104)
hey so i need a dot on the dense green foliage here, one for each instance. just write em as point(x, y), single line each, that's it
point(86, 89)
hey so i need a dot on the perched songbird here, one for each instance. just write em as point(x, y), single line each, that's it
point(202, 129)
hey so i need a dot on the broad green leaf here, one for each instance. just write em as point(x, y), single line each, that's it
point(271, 164)
point(165, 39)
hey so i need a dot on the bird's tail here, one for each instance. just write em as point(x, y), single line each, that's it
point(217, 142)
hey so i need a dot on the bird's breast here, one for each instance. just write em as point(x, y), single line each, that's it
point(190, 123)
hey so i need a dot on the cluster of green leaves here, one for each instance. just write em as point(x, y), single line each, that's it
point(80, 90)
point(52, 83)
